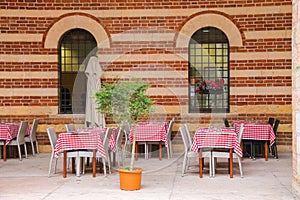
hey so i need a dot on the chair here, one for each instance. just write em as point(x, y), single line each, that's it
point(274, 146)
point(53, 138)
point(106, 139)
point(119, 151)
point(186, 126)
point(127, 144)
point(226, 123)
point(271, 121)
point(32, 136)
point(70, 127)
point(188, 153)
point(169, 134)
point(225, 154)
point(89, 154)
point(253, 143)
point(169, 139)
point(20, 140)
point(188, 134)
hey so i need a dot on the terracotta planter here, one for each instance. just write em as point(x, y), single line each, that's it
point(130, 180)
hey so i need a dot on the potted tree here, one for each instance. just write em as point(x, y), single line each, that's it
point(126, 102)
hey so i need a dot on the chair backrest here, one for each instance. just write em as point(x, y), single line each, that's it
point(226, 122)
point(126, 129)
point(277, 122)
point(52, 137)
point(241, 132)
point(119, 139)
point(271, 121)
point(70, 127)
point(22, 132)
point(188, 134)
point(33, 129)
point(184, 138)
point(169, 133)
point(107, 137)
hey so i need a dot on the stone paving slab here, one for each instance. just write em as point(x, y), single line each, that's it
point(28, 179)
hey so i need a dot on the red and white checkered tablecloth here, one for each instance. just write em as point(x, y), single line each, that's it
point(227, 138)
point(153, 131)
point(101, 132)
point(77, 141)
point(9, 131)
point(256, 131)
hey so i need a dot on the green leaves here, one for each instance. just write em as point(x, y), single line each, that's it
point(125, 100)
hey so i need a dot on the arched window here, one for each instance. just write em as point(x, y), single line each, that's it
point(74, 46)
point(209, 71)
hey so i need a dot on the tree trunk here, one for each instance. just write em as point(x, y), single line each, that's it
point(133, 147)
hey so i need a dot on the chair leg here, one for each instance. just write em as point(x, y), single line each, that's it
point(83, 165)
point(32, 147)
point(210, 166)
point(118, 157)
point(77, 160)
point(146, 151)
point(108, 162)
point(187, 164)
point(168, 152)
point(50, 165)
point(252, 147)
point(19, 150)
point(213, 165)
point(170, 149)
point(275, 150)
point(104, 166)
point(240, 165)
point(55, 166)
point(37, 146)
point(228, 165)
point(25, 148)
point(184, 165)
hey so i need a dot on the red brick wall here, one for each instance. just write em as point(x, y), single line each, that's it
point(247, 22)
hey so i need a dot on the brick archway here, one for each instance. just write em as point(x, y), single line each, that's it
point(51, 38)
point(209, 19)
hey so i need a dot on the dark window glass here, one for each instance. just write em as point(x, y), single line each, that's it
point(75, 45)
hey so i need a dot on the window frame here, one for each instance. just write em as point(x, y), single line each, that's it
point(201, 103)
point(89, 43)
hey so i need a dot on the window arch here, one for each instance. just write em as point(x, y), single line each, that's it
point(209, 71)
point(74, 46)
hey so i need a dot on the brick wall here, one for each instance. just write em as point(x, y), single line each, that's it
point(144, 34)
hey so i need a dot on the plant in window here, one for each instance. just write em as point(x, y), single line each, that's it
point(209, 86)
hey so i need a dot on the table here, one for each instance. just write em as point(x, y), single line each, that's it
point(226, 138)
point(101, 131)
point(79, 141)
point(257, 131)
point(151, 131)
point(9, 131)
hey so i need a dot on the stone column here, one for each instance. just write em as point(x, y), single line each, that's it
point(296, 95)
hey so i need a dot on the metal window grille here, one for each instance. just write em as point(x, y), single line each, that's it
point(208, 68)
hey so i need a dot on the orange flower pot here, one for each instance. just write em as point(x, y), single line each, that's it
point(130, 180)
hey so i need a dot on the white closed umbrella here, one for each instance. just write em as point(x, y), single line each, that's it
point(93, 72)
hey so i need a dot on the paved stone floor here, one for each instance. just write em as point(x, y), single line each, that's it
point(28, 179)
